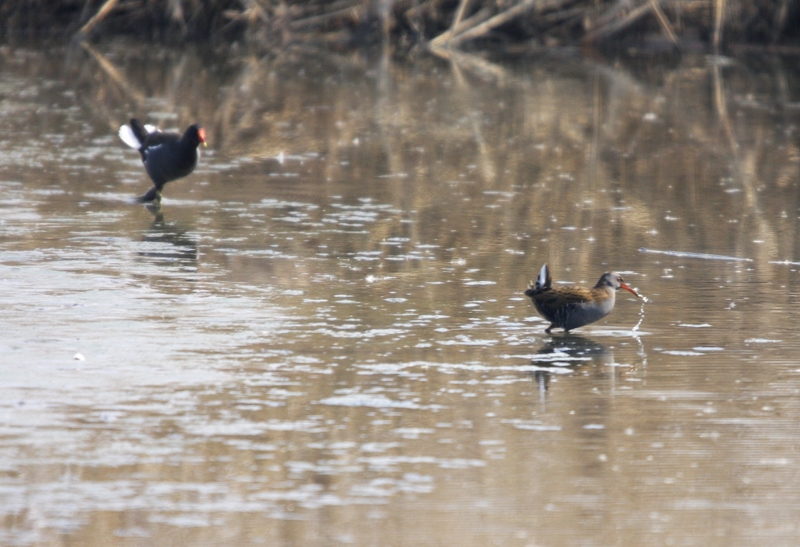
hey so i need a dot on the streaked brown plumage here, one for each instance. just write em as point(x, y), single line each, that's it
point(572, 307)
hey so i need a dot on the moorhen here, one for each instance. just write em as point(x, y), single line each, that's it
point(166, 156)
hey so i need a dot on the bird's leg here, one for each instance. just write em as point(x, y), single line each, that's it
point(155, 208)
point(155, 205)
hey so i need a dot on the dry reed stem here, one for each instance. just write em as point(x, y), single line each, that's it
point(355, 8)
point(471, 22)
point(265, 22)
point(719, 17)
point(476, 65)
point(780, 19)
point(615, 25)
point(665, 24)
point(251, 13)
point(762, 49)
point(462, 7)
point(99, 16)
point(565, 14)
point(496, 21)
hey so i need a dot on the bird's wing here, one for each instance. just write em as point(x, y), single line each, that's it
point(565, 296)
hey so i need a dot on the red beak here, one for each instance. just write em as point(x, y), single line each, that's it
point(627, 288)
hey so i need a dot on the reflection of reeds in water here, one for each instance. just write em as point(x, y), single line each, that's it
point(575, 163)
point(564, 149)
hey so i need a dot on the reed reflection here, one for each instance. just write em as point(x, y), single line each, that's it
point(534, 138)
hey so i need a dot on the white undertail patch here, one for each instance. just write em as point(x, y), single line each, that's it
point(541, 281)
point(127, 136)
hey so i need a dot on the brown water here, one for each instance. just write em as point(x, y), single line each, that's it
point(321, 338)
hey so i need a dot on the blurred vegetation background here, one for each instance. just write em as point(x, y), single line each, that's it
point(406, 23)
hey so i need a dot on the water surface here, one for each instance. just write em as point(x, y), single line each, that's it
point(321, 338)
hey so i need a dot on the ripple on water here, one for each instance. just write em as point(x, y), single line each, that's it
point(531, 425)
point(374, 401)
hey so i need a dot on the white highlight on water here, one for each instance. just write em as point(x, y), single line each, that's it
point(704, 256)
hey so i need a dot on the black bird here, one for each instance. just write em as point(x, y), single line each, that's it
point(166, 156)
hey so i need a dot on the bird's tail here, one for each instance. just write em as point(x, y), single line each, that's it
point(139, 130)
point(544, 281)
point(135, 133)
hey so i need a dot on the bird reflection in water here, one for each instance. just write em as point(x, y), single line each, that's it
point(170, 242)
point(573, 351)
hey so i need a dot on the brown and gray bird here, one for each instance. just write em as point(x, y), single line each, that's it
point(572, 307)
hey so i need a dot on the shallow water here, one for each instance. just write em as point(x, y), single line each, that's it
point(321, 338)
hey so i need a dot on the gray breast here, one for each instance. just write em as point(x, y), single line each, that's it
point(588, 312)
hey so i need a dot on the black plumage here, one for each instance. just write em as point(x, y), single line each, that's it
point(166, 156)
